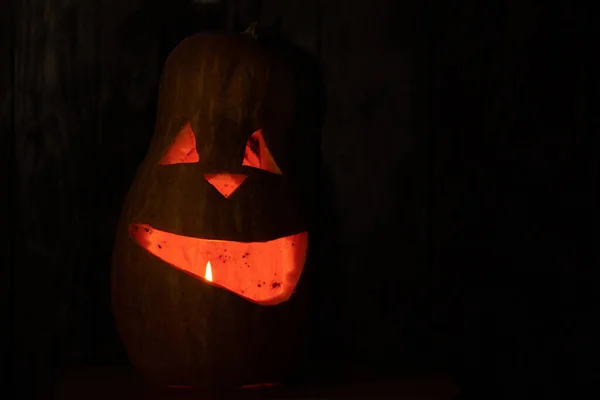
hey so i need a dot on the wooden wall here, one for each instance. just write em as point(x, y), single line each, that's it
point(425, 106)
point(6, 180)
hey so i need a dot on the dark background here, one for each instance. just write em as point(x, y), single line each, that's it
point(456, 143)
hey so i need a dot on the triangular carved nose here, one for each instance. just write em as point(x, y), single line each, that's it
point(225, 183)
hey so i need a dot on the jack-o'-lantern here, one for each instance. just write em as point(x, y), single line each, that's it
point(213, 239)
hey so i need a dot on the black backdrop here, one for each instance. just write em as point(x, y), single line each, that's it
point(456, 145)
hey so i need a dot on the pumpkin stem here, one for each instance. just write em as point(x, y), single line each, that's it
point(251, 30)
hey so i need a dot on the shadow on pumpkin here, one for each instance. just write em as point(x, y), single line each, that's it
point(321, 276)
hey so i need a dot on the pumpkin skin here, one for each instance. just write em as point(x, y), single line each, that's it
point(179, 329)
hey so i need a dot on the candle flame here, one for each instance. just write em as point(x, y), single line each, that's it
point(208, 273)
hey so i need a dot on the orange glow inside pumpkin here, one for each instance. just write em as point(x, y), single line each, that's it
point(183, 148)
point(225, 183)
point(257, 155)
point(265, 273)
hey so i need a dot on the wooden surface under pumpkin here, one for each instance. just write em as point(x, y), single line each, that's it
point(123, 383)
point(213, 237)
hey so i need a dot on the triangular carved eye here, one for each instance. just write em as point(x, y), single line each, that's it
point(183, 149)
point(257, 155)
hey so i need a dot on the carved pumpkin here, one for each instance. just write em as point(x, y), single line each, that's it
point(213, 239)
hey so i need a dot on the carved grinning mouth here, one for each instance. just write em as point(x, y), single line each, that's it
point(265, 273)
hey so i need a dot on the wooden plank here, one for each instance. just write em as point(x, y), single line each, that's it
point(122, 383)
point(298, 21)
point(132, 44)
point(377, 167)
point(6, 182)
point(55, 123)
